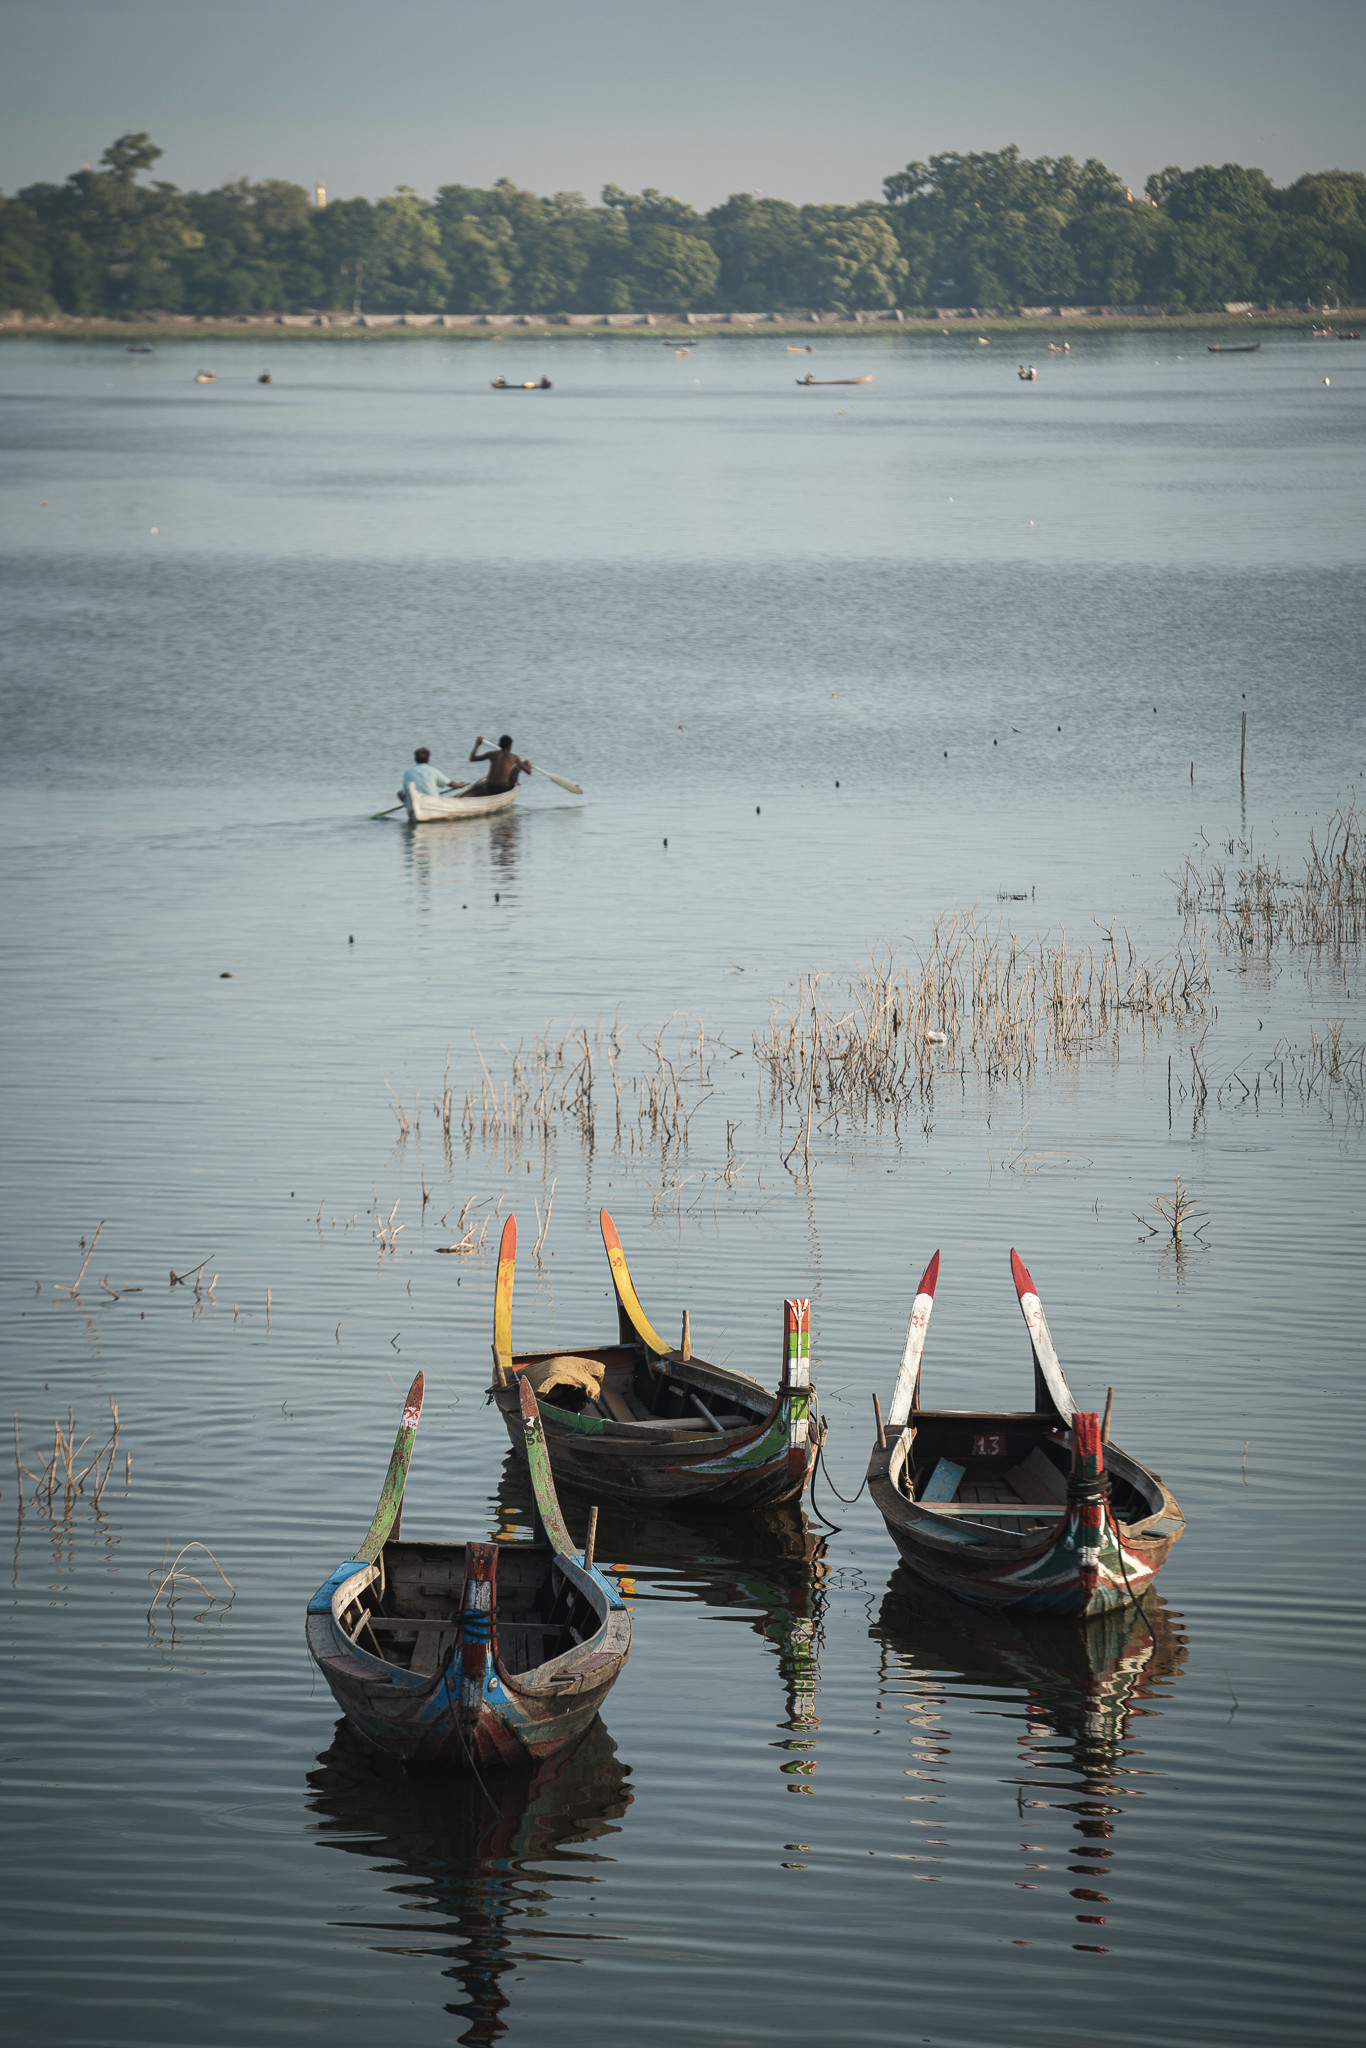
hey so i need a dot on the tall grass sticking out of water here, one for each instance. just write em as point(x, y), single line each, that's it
point(1257, 907)
point(871, 1043)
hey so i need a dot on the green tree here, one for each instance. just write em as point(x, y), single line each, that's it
point(761, 249)
point(853, 259)
point(115, 246)
point(25, 261)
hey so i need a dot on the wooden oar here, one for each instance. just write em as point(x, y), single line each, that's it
point(389, 813)
point(390, 1508)
point(563, 780)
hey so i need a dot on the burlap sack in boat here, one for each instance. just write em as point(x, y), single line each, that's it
point(549, 1373)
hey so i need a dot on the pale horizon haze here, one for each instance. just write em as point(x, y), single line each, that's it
point(803, 102)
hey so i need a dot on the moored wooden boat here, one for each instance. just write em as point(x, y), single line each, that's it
point(641, 1421)
point(468, 1653)
point(1029, 1511)
point(432, 810)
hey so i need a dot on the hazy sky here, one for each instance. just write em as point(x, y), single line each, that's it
point(802, 100)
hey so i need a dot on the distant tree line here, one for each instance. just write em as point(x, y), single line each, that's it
point(992, 230)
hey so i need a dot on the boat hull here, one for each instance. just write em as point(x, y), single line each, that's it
point(435, 810)
point(472, 1709)
point(623, 1462)
point(1065, 1562)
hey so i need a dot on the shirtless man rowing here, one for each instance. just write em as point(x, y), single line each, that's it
point(504, 767)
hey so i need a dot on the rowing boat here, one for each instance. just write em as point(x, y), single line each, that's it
point(646, 1422)
point(1232, 348)
point(529, 384)
point(431, 810)
point(813, 381)
point(468, 1653)
point(1032, 1511)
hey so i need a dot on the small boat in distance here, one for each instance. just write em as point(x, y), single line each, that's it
point(1032, 1512)
point(809, 379)
point(1232, 348)
point(501, 384)
point(431, 810)
point(469, 1653)
point(642, 1422)
point(800, 348)
point(138, 348)
point(1030, 375)
point(205, 377)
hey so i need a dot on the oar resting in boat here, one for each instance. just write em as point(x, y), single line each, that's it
point(643, 1421)
point(469, 1653)
point(1029, 1510)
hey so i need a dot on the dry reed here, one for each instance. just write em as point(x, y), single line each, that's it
point(865, 1044)
point(1258, 908)
point(63, 1468)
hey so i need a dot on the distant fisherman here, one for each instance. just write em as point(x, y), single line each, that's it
point(504, 768)
point(422, 776)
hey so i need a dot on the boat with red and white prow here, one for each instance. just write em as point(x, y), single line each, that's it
point(1031, 1511)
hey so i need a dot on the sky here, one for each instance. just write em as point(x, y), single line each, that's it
point(805, 100)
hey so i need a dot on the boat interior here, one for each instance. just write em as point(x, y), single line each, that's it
point(632, 1388)
point(409, 1616)
point(992, 1469)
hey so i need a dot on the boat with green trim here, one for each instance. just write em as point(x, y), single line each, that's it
point(641, 1420)
point(469, 1654)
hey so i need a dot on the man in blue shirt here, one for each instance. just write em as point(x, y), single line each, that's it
point(424, 777)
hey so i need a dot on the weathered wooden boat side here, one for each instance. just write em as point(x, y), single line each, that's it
point(1029, 1511)
point(664, 1425)
point(433, 810)
point(468, 1654)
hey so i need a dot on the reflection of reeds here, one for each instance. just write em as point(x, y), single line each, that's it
point(1259, 908)
point(866, 1043)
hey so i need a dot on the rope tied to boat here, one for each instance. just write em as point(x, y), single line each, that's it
point(1084, 1492)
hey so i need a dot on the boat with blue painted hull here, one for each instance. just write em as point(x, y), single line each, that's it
point(469, 1654)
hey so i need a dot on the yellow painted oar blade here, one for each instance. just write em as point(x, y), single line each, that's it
point(626, 1293)
point(502, 1295)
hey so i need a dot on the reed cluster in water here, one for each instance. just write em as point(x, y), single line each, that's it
point(63, 1468)
point(571, 1081)
point(1257, 907)
point(977, 993)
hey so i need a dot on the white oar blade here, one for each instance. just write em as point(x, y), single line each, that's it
point(909, 1376)
point(1048, 1366)
point(563, 781)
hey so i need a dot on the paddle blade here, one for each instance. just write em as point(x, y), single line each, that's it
point(563, 781)
point(542, 1478)
point(908, 1378)
point(632, 1320)
point(502, 1295)
point(396, 1478)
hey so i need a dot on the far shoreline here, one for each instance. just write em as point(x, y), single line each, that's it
point(677, 328)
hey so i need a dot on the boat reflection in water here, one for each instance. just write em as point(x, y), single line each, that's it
point(480, 855)
point(767, 1567)
point(470, 1881)
point(1074, 1692)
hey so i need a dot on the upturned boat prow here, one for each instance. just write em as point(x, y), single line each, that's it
point(645, 1422)
point(1030, 1511)
point(468, 1654)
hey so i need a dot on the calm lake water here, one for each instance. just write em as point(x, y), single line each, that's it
point(827, 664)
